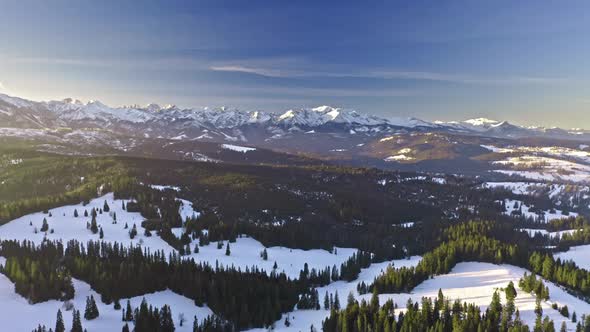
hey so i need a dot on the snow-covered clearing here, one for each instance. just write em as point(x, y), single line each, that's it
point(301, 320)
point(475, 282)
point(163, 187)
point(237, 148)
point(551, 190)
point(578, 254)
point(548, 163)
point(497, 149)
point(517, 188)
point(245, 252)
point(552, 151)
point(67, 227)
point(514, 206)
point(399, 157)
point(544, 169)
point(533, 232)
point(20, 316)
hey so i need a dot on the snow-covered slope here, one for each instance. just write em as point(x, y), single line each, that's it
point(20, 316)
point(475, 282)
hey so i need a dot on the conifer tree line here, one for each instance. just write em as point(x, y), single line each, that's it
point(348, 271)
point(249, 298)
point(437, 314)
point(35, 271)
point(339, 196)
point(261, 195)
point(56, 181)
point(471, 241)
point(443, 258)
point(147, 318)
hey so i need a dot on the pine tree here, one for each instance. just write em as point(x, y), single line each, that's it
point(93, 225)
point(264, 255)
point(336, 302)
point(227, 250)
point(511, 291)
point(117, 305)
point(101, 233)
point(563, 327)
point(133, 232)
point(128, 312)
point(75, 213)
point(106, 207)
point(59, 324)
point(326, 301)
point(125, 328)
point(166, 322)
point(76, 322)
point(41, 328)
point(45, 226)
point(91, 311)
point(538, 308)
point(85, 213)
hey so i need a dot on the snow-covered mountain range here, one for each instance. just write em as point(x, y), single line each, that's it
point(223, 124)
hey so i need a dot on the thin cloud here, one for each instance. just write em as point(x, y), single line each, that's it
point(290, 68)
point(465, 79)
point(328, 92)
point(390, 75)
point(249, 70)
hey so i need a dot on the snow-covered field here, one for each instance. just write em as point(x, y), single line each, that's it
point(518, 188)
point(475, 282)
point(532, 232)
point(515, 205)
point(552, 190)
point(163, 187)
point(544, 163)
point(545, 168)
point(301, 320)
point(471, 282)
point(245, 252)
point(399, 157)
point(67, 227)
point(237, 148)
point(20, 316)
point(579, 254)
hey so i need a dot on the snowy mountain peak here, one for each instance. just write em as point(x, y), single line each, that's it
point(171, 121)
point(73, 101)
point(153, 107)
point(500, 124)
point(481, 122)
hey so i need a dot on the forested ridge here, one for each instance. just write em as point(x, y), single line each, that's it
point(306, 207)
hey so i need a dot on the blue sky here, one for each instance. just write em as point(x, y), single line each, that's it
point(524, 61)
